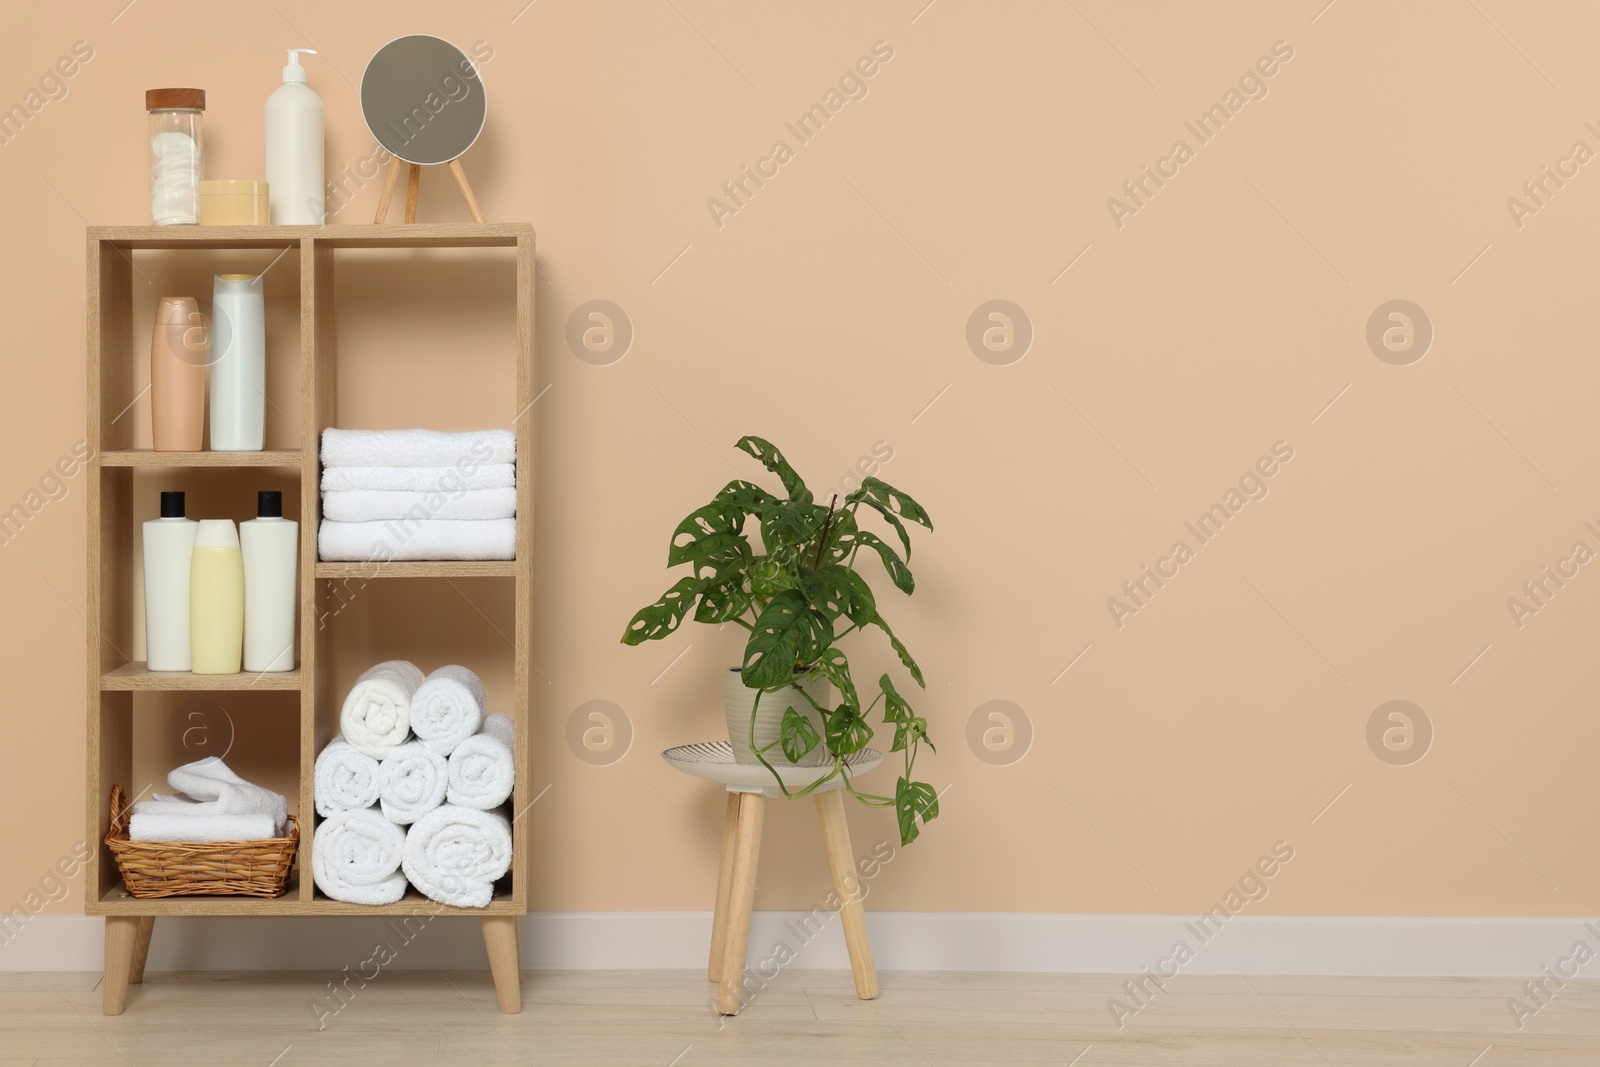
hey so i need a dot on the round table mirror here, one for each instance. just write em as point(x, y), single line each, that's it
point(423, 100)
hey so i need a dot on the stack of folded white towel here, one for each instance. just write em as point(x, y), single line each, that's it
point(418, 494)
point(215, 805)
point(411, 784)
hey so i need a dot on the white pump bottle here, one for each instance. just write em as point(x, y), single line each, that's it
point(294, 149)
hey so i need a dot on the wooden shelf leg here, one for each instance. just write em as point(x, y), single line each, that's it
point(466, 191)
point(122, 931)
point(413, 188)
point(719, 915)
point(141, 949)
point(741, 901)
point(389, 180)
point(500, 938)
point(841, 861)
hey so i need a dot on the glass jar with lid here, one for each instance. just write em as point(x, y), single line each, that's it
point(176, 154)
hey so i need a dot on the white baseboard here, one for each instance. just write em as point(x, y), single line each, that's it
point(933, 941)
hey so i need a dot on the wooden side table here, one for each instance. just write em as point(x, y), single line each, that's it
point(748, 789)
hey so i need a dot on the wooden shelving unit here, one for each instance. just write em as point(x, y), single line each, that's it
point(113, 544)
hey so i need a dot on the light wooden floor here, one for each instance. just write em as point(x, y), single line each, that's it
point(662, 1018)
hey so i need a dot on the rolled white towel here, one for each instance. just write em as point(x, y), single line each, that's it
point(482, 768)
point(448, 708)
point(421, 479)
point(376, 717)
point(416, 448)
point(211, 788)
point(396, 539)
point(411, 782)
point(453, 855)
point(166, 826)
point(367, 505)
point(344, 778)
point(356, 855)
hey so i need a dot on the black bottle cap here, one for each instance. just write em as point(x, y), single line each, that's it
point(269, 504)
point(172, 505)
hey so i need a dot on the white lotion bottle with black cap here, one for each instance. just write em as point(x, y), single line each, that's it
point(168, 549)
point(271, 547)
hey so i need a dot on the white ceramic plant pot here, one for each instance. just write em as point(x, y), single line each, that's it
point(738, 700)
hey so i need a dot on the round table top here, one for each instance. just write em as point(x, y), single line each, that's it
point(713, 761)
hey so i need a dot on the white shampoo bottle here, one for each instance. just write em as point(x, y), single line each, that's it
point(168, 548)
point(271, 546)
point(239, 363)
point(294, 149)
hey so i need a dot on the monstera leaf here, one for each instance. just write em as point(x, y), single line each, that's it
point(834, 666)
point(913, 801)
point(797, 735)
point(708, 533)
point(847, 731)
point(661, 618)
point(899, 573)
point(892, 519)
point(788, 523)
point(748, 497)
point(769, 457)
point(890, 501)
point(836, 590)
point(900, 650)
point(724, 597)
point(841, 538)
point(789, 632)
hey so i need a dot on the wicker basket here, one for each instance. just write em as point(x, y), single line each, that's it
point(209, 869)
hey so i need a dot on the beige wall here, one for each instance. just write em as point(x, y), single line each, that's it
point(831, 310)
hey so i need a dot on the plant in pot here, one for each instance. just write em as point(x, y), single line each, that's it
point(798, 597)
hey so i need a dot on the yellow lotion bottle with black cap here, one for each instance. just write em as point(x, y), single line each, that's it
point(216, 599)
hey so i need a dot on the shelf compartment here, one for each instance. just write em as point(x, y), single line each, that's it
point(136, 676)
point(423, 568)
point(117, 901)
point(146, 457)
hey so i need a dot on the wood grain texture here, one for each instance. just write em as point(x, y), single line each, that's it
point(523, 793)
point(122, 936)
point(396, 164)
point(116, 901)
point(147, 457)
point(852, 916)
point(464, 187)
point(741, 902)
point(500, 939)
point(136, 676)
point(719, 913)
point(141, 949)
point(949, 1019)
point(352, 235)
point(413, 191)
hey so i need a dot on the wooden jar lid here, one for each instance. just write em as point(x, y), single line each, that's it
point(175, 99)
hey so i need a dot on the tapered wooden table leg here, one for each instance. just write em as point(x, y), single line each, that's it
point(853, 917)
point(122, 931)
point(413, 189)
point(500, 938)
point(741, 901)
point(141, 949)
point(389, 180)
point(719, 915)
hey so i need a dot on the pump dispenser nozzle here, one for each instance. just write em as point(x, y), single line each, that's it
point(294, 72)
